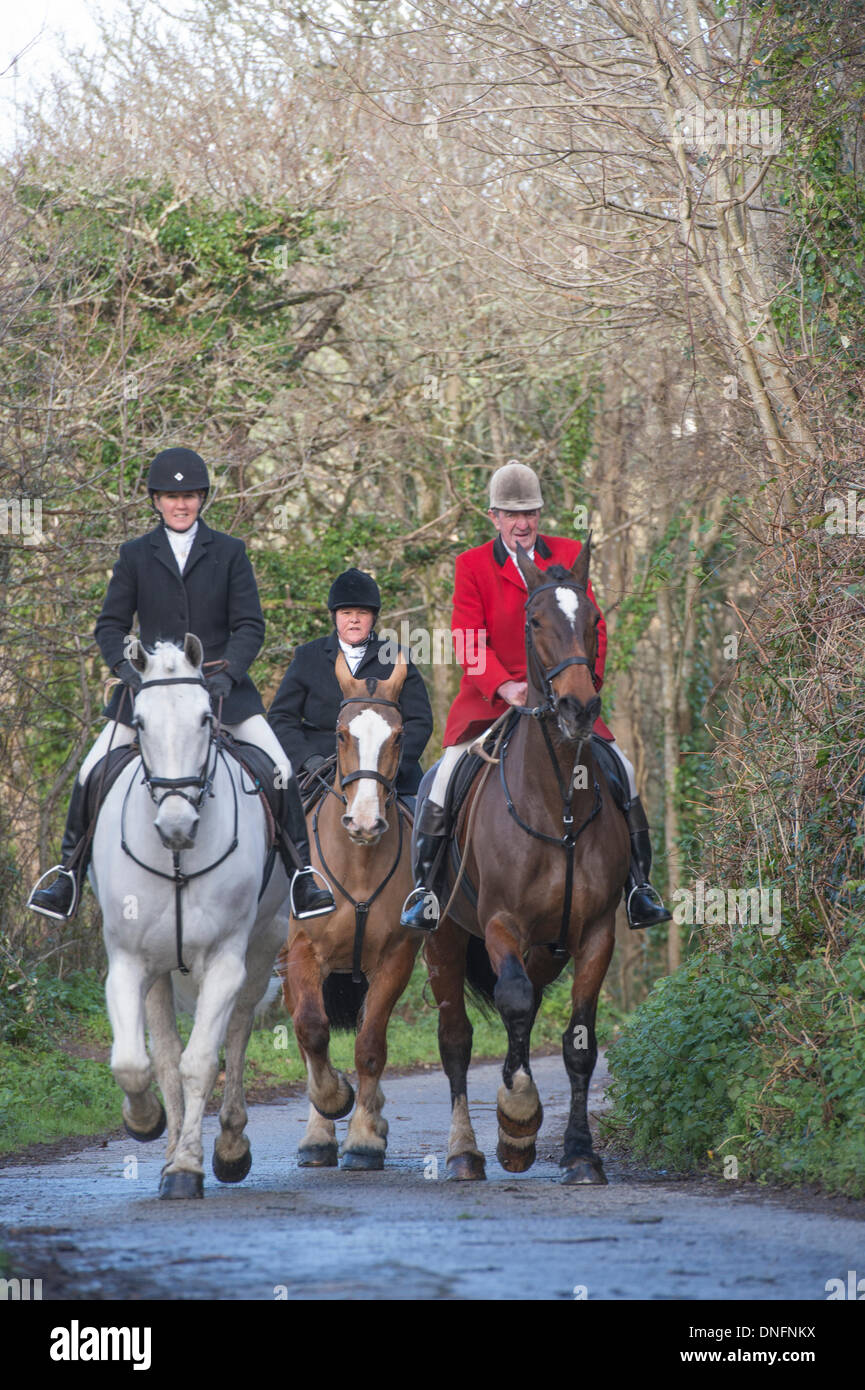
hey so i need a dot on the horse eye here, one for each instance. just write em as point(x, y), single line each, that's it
point(206, 718)
point(535, 622)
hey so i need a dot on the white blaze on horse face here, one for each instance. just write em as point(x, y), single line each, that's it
point(174, 739)
point(568, 602)
point(370, 730)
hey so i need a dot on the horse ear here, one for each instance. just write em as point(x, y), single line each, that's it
point(390, 688)
point(530, 572)
point(350, 687)
point(193, 650)
point(580, 569)
point(136, 654)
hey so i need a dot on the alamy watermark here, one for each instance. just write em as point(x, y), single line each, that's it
point(436, 646)
point(845, 515)
point(707, 128)
point(21, 516)
point(731, 906)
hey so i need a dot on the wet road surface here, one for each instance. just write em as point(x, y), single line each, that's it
point(90, 1225)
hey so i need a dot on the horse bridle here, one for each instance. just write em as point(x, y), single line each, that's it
point(361, 909)
point(173, 785)
point(389, 783)
point(545, 685)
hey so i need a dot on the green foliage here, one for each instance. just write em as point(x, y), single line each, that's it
point(754, 1052)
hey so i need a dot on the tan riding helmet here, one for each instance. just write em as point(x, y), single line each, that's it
point(515, 488)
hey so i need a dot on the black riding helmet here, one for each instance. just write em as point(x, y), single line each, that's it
point(178, 470)
point(354, 589)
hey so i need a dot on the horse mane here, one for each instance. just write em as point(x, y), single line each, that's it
point(559, 572)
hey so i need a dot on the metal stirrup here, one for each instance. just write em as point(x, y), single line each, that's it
point(318, 911)
point(46, 912)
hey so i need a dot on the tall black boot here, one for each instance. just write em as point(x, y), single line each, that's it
point(421, 907)
point(307, 899)
point(643, 903)
point(61, 899)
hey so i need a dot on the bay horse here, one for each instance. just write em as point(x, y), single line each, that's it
point(179, 890)
point(548, 870)
point(360, 838)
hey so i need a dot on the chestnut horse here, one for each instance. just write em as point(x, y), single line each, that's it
point(360, 839)
point(548, 857)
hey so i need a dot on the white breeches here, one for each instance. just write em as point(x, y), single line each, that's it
point(255, 730)
point(452, 755)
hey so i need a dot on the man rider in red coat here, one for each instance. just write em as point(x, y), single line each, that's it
point(488, 627)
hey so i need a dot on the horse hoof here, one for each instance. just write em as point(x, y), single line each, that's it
point(180, 1184)
point(231, 1169)
point(516, 1160)
point(362, 1160)
point(466, 1168)
point(582, 1171)
point(318, 1156)
point(520, 1129)
point(338, 1114)
point(147, 1136)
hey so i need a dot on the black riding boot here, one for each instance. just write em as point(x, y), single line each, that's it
point(307, 899)
point(643, 902)
point(61, 899)
point(421, 907)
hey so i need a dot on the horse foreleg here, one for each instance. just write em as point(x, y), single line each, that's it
point(184, 1175)
point(143, 1114)
point(329, 1090)
point(166, 1048)
point(519, 1110)
point(579, 1161)
point(446, 961)
point(366, 1141)
point(318, 1147)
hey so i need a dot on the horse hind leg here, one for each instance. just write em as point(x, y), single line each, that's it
point(519, 1110)
point(446, 961)
point(579, 1163)
point(232, 1155)
point(143, 1113)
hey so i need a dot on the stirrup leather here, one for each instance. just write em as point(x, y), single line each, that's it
point(46, 912)
point(318, 911)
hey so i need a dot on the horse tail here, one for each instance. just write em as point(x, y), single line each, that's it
point(343, 1000)
point(480, 977)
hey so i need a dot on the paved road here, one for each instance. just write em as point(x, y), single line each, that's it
point(92, 1233)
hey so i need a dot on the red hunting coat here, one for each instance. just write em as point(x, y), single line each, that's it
point(489, 597)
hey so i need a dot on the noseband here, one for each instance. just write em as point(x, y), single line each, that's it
point(172, 785)
point(389, 783)
point(545, 683)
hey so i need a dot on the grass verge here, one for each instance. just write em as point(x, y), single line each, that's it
point(56, 1082)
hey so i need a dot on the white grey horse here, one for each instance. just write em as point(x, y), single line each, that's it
point(182, 809)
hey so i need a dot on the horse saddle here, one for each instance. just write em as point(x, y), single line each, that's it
point(259, 770)
point(104, 775)
point(470, 765)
